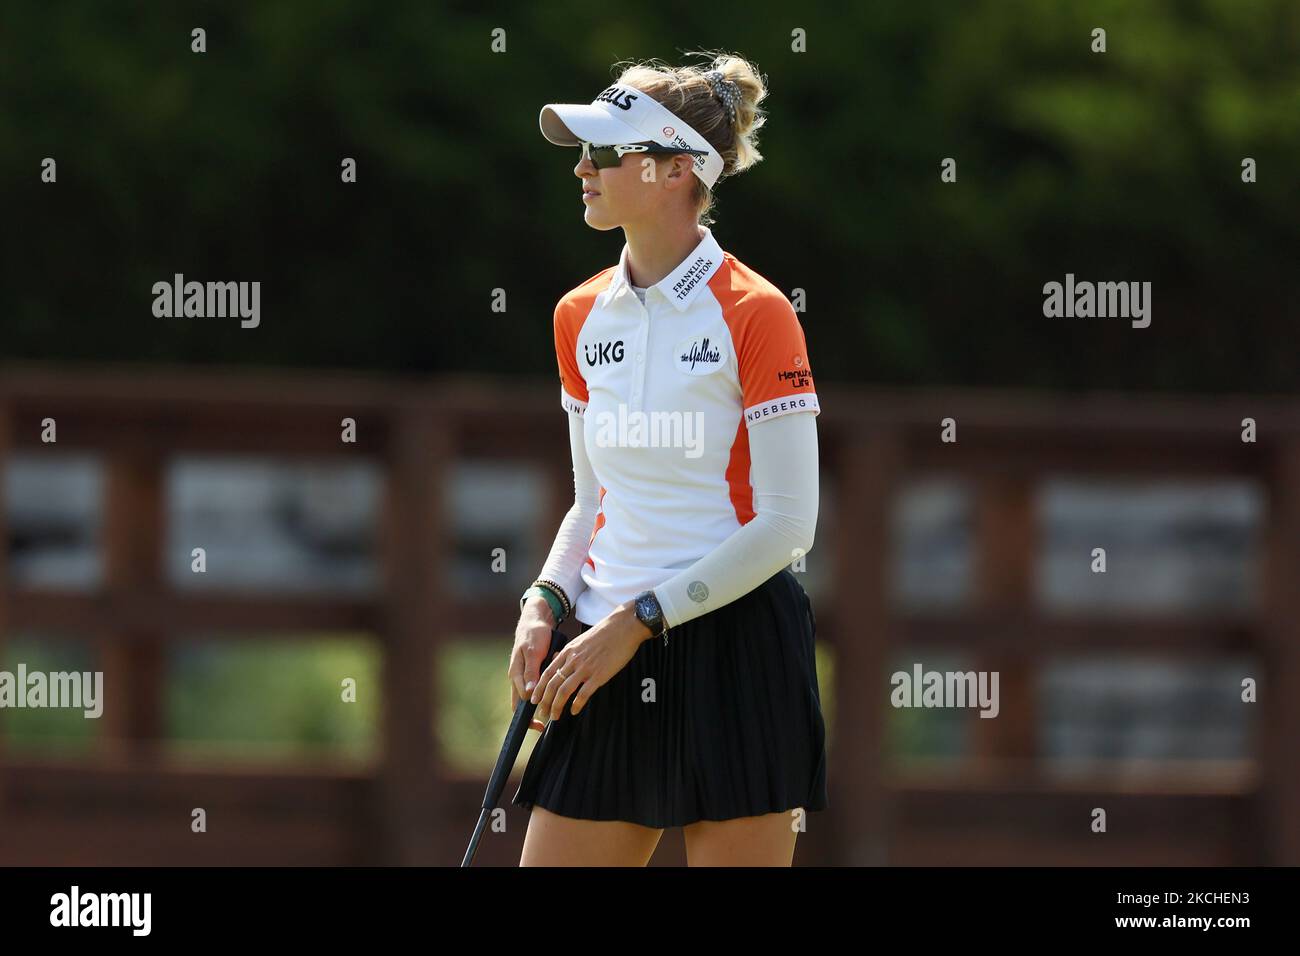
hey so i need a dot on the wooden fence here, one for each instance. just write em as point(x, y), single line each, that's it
point(129, 804)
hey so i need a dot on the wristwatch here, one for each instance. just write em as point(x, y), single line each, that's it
point(648, 612)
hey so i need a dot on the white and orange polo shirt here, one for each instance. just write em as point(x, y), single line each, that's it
point(668, 391)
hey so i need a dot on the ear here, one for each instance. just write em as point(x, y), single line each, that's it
point(679, 173)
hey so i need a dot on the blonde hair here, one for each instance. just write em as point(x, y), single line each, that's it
point(688, 93)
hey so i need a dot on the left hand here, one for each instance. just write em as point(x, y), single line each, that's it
point(588, 661)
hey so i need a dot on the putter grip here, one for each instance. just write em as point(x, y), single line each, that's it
point(519, 726)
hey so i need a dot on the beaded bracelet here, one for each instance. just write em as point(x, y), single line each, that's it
point(558, 592)
point(554, 597)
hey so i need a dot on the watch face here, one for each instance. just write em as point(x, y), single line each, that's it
point(647, 611)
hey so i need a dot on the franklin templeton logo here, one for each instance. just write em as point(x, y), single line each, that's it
point(699, 356)
point(692, 276)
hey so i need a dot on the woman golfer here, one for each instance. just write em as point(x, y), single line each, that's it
point(689, 696)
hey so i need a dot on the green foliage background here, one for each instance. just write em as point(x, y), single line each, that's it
point(1123, 165)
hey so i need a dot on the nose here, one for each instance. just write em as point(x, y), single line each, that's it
point(585, 167)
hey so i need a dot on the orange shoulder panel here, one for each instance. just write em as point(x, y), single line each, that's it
point(771, 354)
point(570, 313)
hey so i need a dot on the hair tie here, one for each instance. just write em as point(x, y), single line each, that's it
point(725, 91)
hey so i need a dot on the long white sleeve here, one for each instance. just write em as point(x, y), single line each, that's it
point(784, 475)
point(569, 550)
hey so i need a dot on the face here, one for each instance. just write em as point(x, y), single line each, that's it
point(642, 188)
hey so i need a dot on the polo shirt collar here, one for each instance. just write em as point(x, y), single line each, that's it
point(683, 284)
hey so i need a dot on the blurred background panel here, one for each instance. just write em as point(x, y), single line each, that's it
point(272, 525)
point(53, 511)
point(1128, 712)
point(1177, 545)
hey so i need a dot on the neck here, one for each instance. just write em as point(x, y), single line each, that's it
point(656, 249)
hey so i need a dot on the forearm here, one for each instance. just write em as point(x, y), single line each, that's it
point(783, 455)
point(563, 564)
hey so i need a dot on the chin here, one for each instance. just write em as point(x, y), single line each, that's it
point(599, 224)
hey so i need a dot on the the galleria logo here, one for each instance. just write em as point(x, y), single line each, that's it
point(699, 356)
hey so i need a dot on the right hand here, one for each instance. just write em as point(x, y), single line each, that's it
point(532, 644)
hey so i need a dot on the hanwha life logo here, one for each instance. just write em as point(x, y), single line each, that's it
point(669, 132)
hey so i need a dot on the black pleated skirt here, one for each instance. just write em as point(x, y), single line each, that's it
point(724, 721)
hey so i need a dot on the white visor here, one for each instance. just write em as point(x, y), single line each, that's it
point(624, 115)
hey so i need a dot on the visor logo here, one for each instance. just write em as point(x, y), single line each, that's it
point(620, 98)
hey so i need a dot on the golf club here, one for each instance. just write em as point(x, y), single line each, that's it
point(509, 751)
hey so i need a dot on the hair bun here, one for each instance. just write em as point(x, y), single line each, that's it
point(727, 91)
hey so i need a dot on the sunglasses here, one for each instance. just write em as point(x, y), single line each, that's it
point(606, 157)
